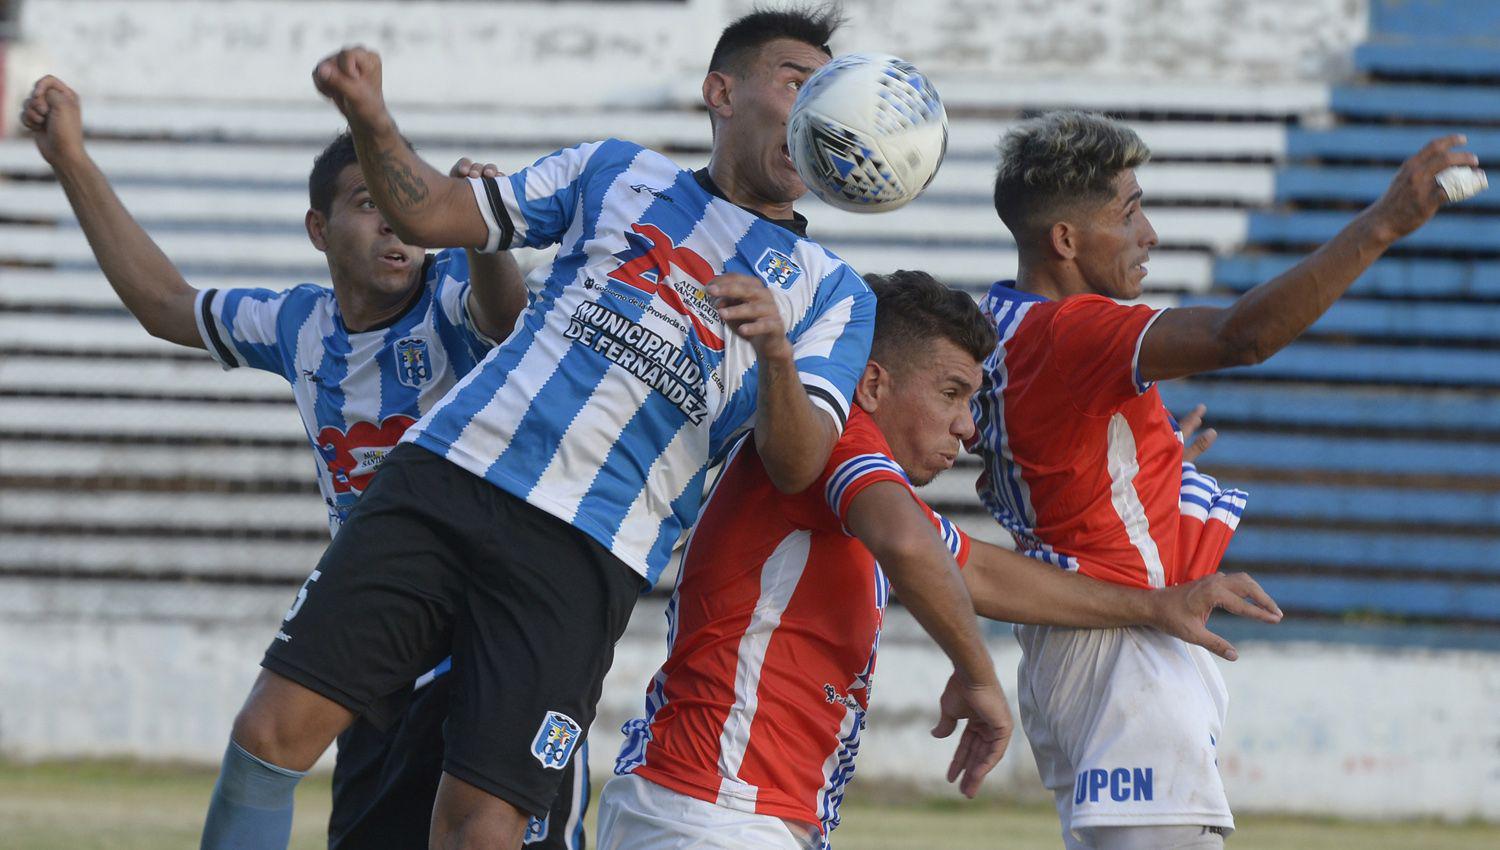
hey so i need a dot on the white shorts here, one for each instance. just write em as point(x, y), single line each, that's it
point(1124, 725)
point(637, 814)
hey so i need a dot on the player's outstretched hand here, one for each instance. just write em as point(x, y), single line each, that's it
point(52, 112)
point(749, 308)
point(466, 167)
point(351, 79)
point(1194, 447)
point(985, 736)
point(1182, 611)
point(1414, 195)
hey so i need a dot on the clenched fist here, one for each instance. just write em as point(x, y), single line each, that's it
point(351, 79)
point(52, 112)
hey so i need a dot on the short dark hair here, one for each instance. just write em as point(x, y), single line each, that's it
point(323, 181)
point(328, 165)
point(1053, 163)
point(813, 25)
point(913, 308)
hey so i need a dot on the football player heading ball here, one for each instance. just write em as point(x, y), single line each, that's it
point(535, 502)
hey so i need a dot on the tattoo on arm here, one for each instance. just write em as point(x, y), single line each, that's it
point(404, 186)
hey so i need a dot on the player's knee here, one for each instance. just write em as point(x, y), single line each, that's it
point(468, 818)
point(258, 732)
point(287, 725)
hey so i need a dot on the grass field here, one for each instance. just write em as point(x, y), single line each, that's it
point(120, 806)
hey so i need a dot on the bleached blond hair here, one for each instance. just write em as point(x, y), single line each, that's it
point(1057, 163)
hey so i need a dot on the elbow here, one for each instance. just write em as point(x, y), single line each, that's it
point(1239, 356)
point(896, 556)
point(159, 331)
point(1243, 348)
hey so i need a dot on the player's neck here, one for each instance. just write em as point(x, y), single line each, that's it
point(364, 308)
point(737, 190)
point(1053, 281)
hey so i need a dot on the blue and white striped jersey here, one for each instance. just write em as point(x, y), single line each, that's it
point(357, 392)
point(621, 382)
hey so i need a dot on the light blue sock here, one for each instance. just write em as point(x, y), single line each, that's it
point(252, 804)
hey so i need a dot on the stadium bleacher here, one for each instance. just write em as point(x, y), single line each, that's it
point(1371, 449)
point(1372, 460)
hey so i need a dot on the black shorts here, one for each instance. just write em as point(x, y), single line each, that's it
point(432, 560)
point(384, 783)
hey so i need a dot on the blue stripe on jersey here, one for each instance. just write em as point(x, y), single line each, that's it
point(950, 534)
point(581, 803)
point(1003, 495)
point(301, 306)
point(456, 339)
point(850, 471)
point(396, 397)
point(1194, 499)
point(471, 397)
point(330, 398)
point(1047, 555)
point(848, 749)
point(838, 285)
point(569, 390)
point(238, 314)
point(481, 385)
point(685, 510)
point(549, 216)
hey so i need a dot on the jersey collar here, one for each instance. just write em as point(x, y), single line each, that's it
point(796, 224)
point(1006, 290)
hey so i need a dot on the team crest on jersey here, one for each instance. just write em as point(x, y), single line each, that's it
point(413, 362)
point(555, 740)
point(537, 829)
point(777, 269)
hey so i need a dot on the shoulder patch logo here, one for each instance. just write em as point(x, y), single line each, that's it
point(555, 740)
point(777, 269)
point(413, 363)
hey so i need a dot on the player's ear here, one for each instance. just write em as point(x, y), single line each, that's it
point(873, 385)
point(317, 229)
point(717, 87)
point(1063, 238)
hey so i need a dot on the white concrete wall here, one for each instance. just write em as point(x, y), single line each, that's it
point(599, 54)
point(157, 672)
point(1200, 40)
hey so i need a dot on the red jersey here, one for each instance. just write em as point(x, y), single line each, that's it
point(772, 637)
point(1083, 464)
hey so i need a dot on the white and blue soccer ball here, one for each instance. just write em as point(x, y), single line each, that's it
point(867, 132)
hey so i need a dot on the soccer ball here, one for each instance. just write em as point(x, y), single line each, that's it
point(867, 132)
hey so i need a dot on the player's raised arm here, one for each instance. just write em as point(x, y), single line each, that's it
point(497, 289)
point(148, 284)
point(422, 205)
point(792, 435)
point(1011, 587)
point(1266, 319)
point(891, 524)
